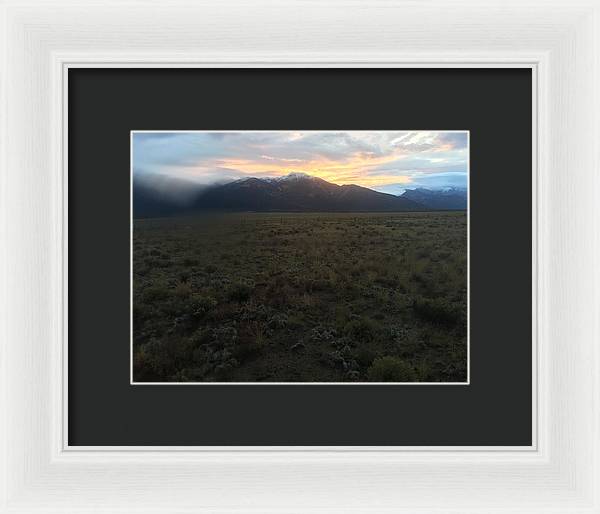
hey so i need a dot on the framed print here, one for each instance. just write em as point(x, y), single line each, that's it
point(252, 266)
point(313, 258)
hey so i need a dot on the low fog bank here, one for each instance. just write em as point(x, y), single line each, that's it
point(176, 191)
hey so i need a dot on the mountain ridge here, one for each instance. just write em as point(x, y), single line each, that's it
point(452, 198)
point(296, 192)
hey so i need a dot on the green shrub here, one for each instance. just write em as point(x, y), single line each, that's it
point(361, 330)
point(159, 356)
point(182, 290)
point(201, 304)
point(200, 337)
point(240, 291)
point(223, 371)
point(163, 262)
point(141, 312)
point(224, 336)
point(390, 369)
point(437, 311)
point(365, 357)
point(156, 292)
point(248, 350)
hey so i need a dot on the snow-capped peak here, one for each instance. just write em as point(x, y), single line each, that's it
point(297, 175)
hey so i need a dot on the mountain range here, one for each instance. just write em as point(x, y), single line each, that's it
point(450, 198)
point(296, 192)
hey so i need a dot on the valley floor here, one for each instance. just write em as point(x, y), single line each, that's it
point(301, 297)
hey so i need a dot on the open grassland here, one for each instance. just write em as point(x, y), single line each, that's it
point(314, 297)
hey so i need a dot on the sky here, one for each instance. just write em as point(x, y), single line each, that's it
point(387, 161)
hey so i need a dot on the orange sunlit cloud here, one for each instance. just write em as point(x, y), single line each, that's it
point(339, 172)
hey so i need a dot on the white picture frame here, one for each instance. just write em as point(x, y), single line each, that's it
point(558, 40)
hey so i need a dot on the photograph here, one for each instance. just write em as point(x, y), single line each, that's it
point(299, 257)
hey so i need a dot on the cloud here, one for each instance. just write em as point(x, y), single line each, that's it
point(368, 158)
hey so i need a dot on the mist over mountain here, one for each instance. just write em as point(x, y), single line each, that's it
point(296, 192)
